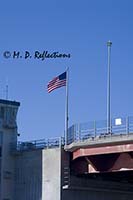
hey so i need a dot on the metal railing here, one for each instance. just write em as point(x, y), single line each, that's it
point(38, 144)
point(81, 132)
point(97, 129)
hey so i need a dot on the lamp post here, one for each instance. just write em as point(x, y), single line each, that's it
point(109, 43)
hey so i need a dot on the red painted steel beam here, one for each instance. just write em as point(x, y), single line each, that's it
point(102, 150)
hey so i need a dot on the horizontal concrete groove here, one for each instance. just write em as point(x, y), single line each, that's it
point(66, 168)
point(66, 182)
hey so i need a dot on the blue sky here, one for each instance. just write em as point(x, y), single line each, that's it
point(81, 28)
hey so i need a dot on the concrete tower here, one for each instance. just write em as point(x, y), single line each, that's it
point(8, 138)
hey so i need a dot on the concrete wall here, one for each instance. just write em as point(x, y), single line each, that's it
point(38, 175)
point(7, 167)
point(8, 136)
point(82, 194)
point(28, 175)
point(51, 185)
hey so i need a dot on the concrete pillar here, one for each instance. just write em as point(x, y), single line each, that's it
point(51, 174)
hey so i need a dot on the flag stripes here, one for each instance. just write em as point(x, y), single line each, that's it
point(57, 82)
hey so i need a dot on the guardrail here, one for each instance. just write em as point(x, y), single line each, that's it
point(81, 132)
point(97, 129)
point(38, 144)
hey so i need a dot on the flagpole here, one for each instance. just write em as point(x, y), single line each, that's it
point(66, 111)
point(109, 43)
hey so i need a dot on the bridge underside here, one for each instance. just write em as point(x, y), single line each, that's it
point(114, 158)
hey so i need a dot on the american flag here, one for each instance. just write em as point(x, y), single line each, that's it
point(57, 82)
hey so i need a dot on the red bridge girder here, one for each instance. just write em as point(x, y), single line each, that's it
point(109, 158)
point(109, 149)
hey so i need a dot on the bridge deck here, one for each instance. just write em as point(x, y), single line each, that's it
point(100, 141)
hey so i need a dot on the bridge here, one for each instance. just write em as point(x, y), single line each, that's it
point(94, 163)
point(91, 163)
point(94, 150)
